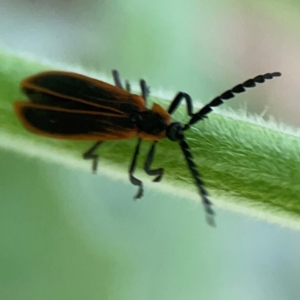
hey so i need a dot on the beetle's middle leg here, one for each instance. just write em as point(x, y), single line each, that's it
point(134, 180)
point(155, 172)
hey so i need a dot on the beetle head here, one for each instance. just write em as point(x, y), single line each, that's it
point(175, 131)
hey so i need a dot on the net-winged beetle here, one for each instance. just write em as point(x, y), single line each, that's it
point(66, 105)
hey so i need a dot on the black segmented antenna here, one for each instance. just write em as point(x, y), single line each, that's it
point(198, 181)
point(240, 88)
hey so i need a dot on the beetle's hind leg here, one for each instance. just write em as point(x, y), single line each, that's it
point(89, 154)
point(134, 180)
point(156, 172)
point(118, 82)
point(145, 90)
point(117, 79)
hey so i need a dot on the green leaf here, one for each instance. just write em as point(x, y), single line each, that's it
point(248, 164)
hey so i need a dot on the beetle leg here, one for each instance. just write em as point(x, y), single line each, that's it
point(156, 172)
point(134, 180)
point(117, 79)
point(118, 82)
point(179, 97)
point(145, 90)
point(89, 154)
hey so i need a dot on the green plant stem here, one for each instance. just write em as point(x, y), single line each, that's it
point(248, 164)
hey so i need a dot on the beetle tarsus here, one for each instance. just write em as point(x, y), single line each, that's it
point(210, 220)
point(89, 154)
point(159, 177)
point(139, 183)
point(140, 193)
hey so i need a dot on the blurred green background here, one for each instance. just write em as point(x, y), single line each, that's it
point(66, 234)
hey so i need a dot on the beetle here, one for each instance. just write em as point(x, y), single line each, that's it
point(71, 106)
